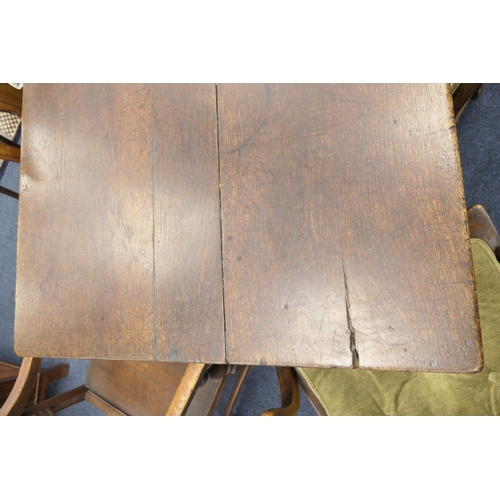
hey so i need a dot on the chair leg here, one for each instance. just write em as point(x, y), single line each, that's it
point(481, 226)
point(57, 403)
point(186, 389)
point(315, 402)
point(463, 95)
point(236, 390)
point(49, 375)
point(24, 386)
point(290, 394)
point(8, 192)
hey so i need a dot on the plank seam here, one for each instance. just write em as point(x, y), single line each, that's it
point(220, 212)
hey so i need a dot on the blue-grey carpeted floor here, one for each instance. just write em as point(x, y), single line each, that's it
point(479, 139)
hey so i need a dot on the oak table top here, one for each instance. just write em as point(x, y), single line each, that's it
point(281, 224)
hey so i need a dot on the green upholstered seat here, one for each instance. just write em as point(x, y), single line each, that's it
point(366, 392)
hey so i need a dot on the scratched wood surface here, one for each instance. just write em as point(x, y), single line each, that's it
point(98, 161)
point(284, 285)
point(188, 270)
point(344, 234)
point(345, 239)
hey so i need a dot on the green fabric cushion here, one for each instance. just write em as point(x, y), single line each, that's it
point(366, 392)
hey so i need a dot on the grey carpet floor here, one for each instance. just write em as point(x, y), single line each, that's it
point(479, 140)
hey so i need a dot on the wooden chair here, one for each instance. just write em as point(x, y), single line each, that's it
point(26, 386)
point(462, 93)
point(11, 101)
point(142, 388)
point(481, 228)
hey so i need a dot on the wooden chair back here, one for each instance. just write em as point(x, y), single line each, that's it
point(25, 382)
point(26, 386)
point(142, 388)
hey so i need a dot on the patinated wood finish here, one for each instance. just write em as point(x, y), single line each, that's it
point(147, 388)
point(119, 248)
point(11, 99)
point(23, 387)
point(188, 270)
point(345, 236)
point(284, 282)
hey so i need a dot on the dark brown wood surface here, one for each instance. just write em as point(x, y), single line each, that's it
point(290, 394)
point(8, 192)
point(103, 405)
point(481, 226)
point(9, 153)
point(8, 376)
point(57, 403)
point(85, 252)
point(188, 272)
point(11, 99)
point(118, 183)
point(345, 238)
point(10, 387)
point(463, 94)
point(136, 388)
point(23, 389)
point(344, 233)
point(8, 371)
point(284, 283)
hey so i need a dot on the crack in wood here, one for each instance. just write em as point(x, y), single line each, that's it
point(352, 331)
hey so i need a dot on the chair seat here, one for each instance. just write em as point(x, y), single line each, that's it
point(366, 392)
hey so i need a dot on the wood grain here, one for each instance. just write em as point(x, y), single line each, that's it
point(119, 253)
point(11, 99)
point(290, 394)
point(186, 390)
point(345, 236)
point(283, 279)
point(135, 387)
point(344, 233)
point(7, 370)
point(103, 405)
point(8, 377)
point(140, 388)
point(188, 283)
point(85, 248)
point(461, 97)
point(10, 153)
point(23, 387)
point(408, 260)
point(44, 377)
point(57, 403)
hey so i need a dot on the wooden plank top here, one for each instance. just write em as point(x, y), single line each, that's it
point(345, 238)
point(302, 225)
point(118, 184)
